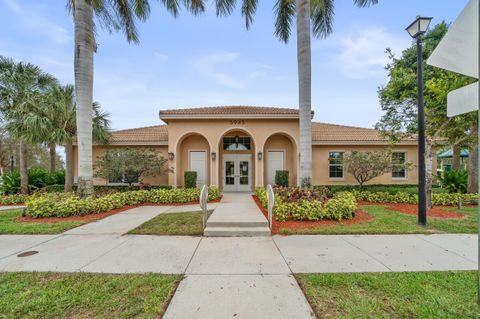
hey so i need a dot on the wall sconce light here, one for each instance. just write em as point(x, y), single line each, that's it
point(171, 156)
point(260, 156)
point(213, 155)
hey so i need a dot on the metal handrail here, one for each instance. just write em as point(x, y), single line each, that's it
point(271, 203)
point(203, 205)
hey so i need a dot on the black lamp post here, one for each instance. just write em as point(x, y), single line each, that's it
point(416, 29)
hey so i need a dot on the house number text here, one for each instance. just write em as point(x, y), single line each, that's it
point(237, 122)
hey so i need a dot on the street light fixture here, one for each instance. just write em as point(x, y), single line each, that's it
point(416, 29)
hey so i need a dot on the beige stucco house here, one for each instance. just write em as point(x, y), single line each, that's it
point(239, 148)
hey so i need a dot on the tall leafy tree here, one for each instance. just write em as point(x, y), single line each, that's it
point(112, 15)
point(23, 88)
point(309, 15)
point(398, 99)
point(62, 116)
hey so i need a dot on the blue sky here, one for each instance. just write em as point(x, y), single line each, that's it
point(206, 61)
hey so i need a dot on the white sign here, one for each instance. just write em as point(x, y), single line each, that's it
point(458, 50)
point(462, 100)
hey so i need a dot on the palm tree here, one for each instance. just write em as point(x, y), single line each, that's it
point(62, 114)
point(114, 15)
point(315, 14)
point(22, 97)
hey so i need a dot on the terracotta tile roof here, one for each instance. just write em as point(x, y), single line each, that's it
point(234, 109)
point(329, 133)
point(150, 135)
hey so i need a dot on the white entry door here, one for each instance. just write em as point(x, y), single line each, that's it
point(198, 163)
point(237, 172)
point(275, 163)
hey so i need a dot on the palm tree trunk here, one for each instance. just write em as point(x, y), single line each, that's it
point(53, 157)
point(456, 157)
point(23, 168)
point(472, 186)
point(84, 50)
point(68, 167)
point(304, 90)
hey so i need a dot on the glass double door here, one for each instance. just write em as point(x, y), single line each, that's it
point(237, 172)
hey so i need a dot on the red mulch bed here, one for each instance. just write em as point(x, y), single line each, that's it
point(411, 209)
point(94, 217)
point(360, 217)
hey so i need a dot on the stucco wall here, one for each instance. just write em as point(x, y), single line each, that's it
point(320, 165)
point(280, 142)
point(213, 130)
point(192, 142)
point(100, 150)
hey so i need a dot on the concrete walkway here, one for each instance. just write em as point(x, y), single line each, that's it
point(236, 277)
point(237, 215)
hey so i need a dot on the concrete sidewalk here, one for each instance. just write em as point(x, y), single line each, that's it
point(245, 275)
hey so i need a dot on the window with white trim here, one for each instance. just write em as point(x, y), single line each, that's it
point(335, 164)
point(398, 165)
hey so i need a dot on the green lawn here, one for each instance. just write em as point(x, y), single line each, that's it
point(422, 295)
point(187, 224)
point(8, 225)
point(389, 222)
point(83, 295)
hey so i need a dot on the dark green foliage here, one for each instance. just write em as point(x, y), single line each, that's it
point(392, 189)
point(190, 179)
point(130, 164)
point(455, 181)
point(281, 178)
point(38, 178)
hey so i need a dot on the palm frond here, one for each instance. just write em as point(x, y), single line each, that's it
point(322, 13)
point(195, 7)
point(172, 6)
point(364, 3)
point(284, 15)
point(224, 7)
point(248, 10)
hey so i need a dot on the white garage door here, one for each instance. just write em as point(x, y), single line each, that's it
point(198, 163)
point(275, 163)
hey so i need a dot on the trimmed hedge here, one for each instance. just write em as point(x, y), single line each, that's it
point(13, 199)
point(438, 199)
point(340, 206)
point(329, 190)
point(281, 178)
point(68, 204)
point(190, 178)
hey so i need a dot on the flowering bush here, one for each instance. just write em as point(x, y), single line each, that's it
point(309, 205)
point(68, 204)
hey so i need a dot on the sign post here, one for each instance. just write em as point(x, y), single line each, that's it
point(271, 203)
point(203, 204)
point(458, 52)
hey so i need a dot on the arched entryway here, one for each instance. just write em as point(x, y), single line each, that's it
point(193, 154)
point(280, 151)
point(236, 161)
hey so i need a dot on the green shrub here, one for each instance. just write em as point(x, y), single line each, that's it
point(281, 178)
point(37, 178)
point(438, 199)
point(190, 179)
point(455, 181)
point(340, 206)
point(12, 199)
point(68, 204)
point(329, 190)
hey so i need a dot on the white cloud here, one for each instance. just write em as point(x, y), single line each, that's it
point(360, 53)
point(161, 57)
point(213, 65)
point(280, 78)
point(31, 18)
